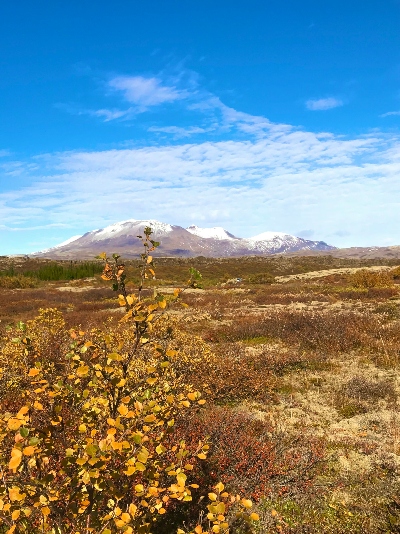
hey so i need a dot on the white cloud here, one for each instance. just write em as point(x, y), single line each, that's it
point(323, 103)
point(262, 176)
point(287, 180)
point(145, 92)
point(177, 131)
point(110, 114)
point(390, 113)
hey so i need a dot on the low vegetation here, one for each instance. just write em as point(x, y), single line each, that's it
point(263, 398)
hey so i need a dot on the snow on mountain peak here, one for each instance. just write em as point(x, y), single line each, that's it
point(123, 227)
point(175, 241)
point(270, 236)
point(66, 242)
point(217, 232)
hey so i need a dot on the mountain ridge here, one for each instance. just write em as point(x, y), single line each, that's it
point(121, 237)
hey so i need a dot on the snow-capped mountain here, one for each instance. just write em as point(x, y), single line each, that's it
point(64, 243)
point(122, 238)
point(217, 232)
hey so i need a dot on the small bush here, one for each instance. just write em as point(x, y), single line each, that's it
point(251, 455)
point(358, 394)
point(360, 387)
point(365, 279)
point(17, 282)
point(312, 515)
point(87, 421)
point(395, 273)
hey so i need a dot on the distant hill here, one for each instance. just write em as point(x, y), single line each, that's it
point(362, 253)
point(193, 241)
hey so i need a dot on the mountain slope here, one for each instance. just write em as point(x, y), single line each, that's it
point(122, 238)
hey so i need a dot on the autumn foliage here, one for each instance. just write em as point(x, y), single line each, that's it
point(87, 422)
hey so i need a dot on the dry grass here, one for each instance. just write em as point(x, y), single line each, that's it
point(303, 373)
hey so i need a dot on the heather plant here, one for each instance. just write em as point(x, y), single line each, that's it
point(17, 281)
point(87, 422)
point(365, 279)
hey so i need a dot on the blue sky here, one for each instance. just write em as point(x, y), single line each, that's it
point(252, 115)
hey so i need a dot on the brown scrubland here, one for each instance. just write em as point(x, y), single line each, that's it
point(297, 359)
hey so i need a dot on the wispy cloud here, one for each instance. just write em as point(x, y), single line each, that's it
point(179, 132)
point(390, 113)
point(146, 92)
point(249, 174)
point(140, 92)
point(319, 104)
point(286, 180)
point(109, 114)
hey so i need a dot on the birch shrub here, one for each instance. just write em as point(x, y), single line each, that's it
point(87, 423)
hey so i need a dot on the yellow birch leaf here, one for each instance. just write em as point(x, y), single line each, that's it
point(151, 381)
point(247, 503)
point(132, 509)
point(123, 410)
point(14, 424)
point(82, 370)
point(181, 478)
point(28, 451)
point(16, 457)
point(46, 511)
point(142, 456)
point(125, 517)
point(219, 487)
point(131, 469)
point(140, 467)
point(149, 418)
point(24, 410)
point(221, 509)
point(15, 494)
point(33, 371)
